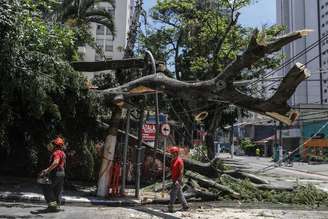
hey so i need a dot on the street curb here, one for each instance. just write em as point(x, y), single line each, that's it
point(66, 200)
point(305, 171)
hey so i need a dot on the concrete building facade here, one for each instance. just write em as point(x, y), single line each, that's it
point(306, 14)
point(112, 47)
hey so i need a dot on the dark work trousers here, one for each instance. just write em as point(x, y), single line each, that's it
point(53, 192)
point(177, 191)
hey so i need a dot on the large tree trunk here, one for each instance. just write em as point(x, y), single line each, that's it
point(105, 173)
point(209, 140)
point(110, 142)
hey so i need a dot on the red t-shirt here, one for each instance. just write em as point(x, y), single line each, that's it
point(176, 167)
point(58, 154)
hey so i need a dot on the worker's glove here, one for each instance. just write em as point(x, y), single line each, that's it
point(43, 173)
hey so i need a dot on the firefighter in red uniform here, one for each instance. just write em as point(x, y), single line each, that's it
point(116, 177)
point(177, 167)
point(56, 171)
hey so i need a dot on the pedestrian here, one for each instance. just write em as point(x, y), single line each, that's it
point(290, 163)
point(177, 168)
point(56, 172)
point(257, 152)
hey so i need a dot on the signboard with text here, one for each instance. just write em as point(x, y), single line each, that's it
point(149, 132)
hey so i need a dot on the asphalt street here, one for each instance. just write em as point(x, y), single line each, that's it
point(299, 173)
point(24, 210)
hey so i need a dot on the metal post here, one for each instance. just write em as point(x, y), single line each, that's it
point(156, 102)
point(164, 157)
point(275, 143)
point(232, 149)
point(320, 50)
point(139, 148)
point(157, 125)
point(280, 143)
point(192, 134)
point(125, 151)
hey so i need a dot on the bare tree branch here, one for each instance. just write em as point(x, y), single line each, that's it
point(256, 51)
point(169, 85)
point(216, 88)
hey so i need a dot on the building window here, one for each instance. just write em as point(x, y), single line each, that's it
point(322, 25)
point(100, 29)
point(109, 46)
point(322, 6)
point(325, 90)
point(325, 100)
point(324, 81)
point(100, 43)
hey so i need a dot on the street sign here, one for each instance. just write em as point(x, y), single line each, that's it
point(165, 129)
point(151, 119)
point(148, 132)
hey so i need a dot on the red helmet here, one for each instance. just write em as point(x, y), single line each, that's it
point(174, 149)
point(58, 141)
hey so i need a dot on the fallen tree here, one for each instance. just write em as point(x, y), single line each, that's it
point(222, 87)
point(200, 187)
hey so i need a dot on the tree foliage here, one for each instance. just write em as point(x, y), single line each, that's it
point(41, 95)
point(198, 39)
point(81, 12)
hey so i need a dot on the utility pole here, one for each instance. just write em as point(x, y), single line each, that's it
point(125, 150)
point(139, 148)
point(280, 143)
point(275, 144)
point(232, 149)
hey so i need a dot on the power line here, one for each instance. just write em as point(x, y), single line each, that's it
point(275, 82)
point(301, 145)
point(301, 53)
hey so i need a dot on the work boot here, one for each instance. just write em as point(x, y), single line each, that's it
point(52, 207)
point(185, 208)
point(170, 209)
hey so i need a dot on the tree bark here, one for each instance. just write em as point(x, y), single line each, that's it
point(243, 175)
point(209, 141)
point(206, 182)
point(105, 173)
point(108, 65)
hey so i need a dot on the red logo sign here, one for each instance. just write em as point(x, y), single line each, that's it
point(149, 132)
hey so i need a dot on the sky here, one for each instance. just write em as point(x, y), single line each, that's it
point(259, 13)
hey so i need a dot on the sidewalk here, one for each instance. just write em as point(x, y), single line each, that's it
point(26, 190)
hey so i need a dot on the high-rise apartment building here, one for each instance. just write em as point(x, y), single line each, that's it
point(306, 14)
point(112, 47)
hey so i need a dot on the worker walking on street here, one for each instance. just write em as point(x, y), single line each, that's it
point(56, 172)
point(177, 168)
point(257, 152)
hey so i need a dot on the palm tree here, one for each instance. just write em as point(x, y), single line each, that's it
point(84, 12)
